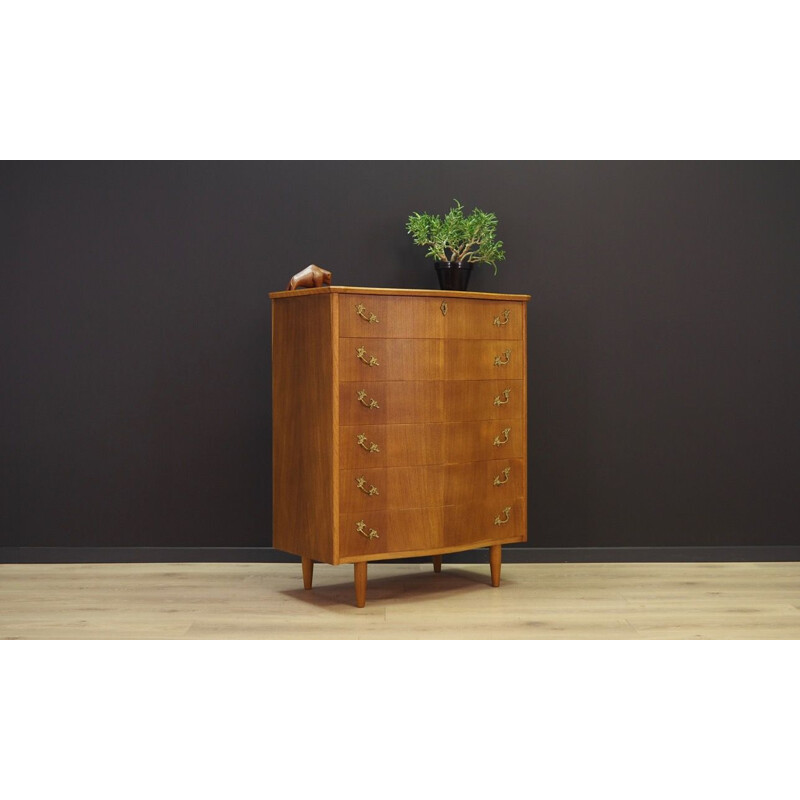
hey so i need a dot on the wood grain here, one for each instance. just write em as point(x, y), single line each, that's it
point(733, 600)
point(476, 522)
point(399, 530)
point(397, 317)
point(398, 445)
point(398, 402)
point(467, 319)
point(495, 556)
point(303, 427)
point(375, 488)
point(468, 400)
point(397, 359)
point(392, 487)
point(467, 359)
point(308, 572)
point(395, 415)
point(404, 402)
point(360, 578)
point(383, 292)
point(464, 482)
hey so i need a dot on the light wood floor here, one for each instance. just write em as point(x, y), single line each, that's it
point(404, 601)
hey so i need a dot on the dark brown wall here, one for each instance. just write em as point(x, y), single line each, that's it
point(135, 324)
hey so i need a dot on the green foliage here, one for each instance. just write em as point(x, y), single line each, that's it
point(455, 237)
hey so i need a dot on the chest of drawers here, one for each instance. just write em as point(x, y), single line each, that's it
point(399, 425)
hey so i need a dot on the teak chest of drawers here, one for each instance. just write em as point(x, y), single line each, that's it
point(399, 425)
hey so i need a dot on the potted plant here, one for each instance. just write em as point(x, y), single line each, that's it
point(456, 242)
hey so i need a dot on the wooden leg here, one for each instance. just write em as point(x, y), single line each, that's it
point(308, 572)
point(360, 570)
point(494, 563)
point(437, 563)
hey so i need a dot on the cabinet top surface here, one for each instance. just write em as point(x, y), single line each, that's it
point(399, 292)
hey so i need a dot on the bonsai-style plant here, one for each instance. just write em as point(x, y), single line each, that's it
point(456, 241)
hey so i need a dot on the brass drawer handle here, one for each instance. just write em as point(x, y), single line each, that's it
point(361, 440)
point(507, 512)
point(506, 472)
point(505, 316)
point(361, 354)
point(361, 527)
point(498, 442)
point(362, 484)
point(362, 312)
point(443, 306)
point(498, 360)
point(362, 397)
point(498, 401)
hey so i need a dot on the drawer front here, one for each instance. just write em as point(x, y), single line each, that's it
point(387, 316)
point(485, 440)
point(390, 531)
point(484, 319)
point(391, 316)
point(483, 520)
point(500, 481)
point(367, 360)
point(376, 488)
point(370, 446)
point(476, 400)
point(404, 402)
point(484, 360)
point(399, 402)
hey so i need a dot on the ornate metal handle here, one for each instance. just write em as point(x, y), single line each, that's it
point(443, 306)
point(361, 527)
point(361, 441)
point(362, 484)
point(361, 354)
point(498, 401)
point(506, 472)
point(507, 512)
point(504, 316)
point(498, 360)
point(362, 312)
point(498, 441)
point(362, 398)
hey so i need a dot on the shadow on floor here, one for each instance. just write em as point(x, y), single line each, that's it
point(405, 587)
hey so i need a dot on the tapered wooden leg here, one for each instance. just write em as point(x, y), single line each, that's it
point(437, 563)
point(360, 571)
point(494, 563)
point(308, 572)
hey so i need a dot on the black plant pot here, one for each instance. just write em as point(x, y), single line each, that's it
point(453, 275)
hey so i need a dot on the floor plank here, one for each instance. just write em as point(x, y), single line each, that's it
point(404, 601)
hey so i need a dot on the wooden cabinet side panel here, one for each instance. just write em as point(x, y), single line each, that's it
point(524, 309)
point(303, 427)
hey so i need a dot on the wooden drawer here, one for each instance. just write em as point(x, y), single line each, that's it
point(396, 531)
point(404, 402)
point(376, 488)
point(489, 399)
point(387, 316)
point(484, 520)
point(391, 317)
point(398, 402)
point(484, 319)
point(484, 440)
point(370, 360)
point(369, 446)
point(466, 359)
point(500, 481)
